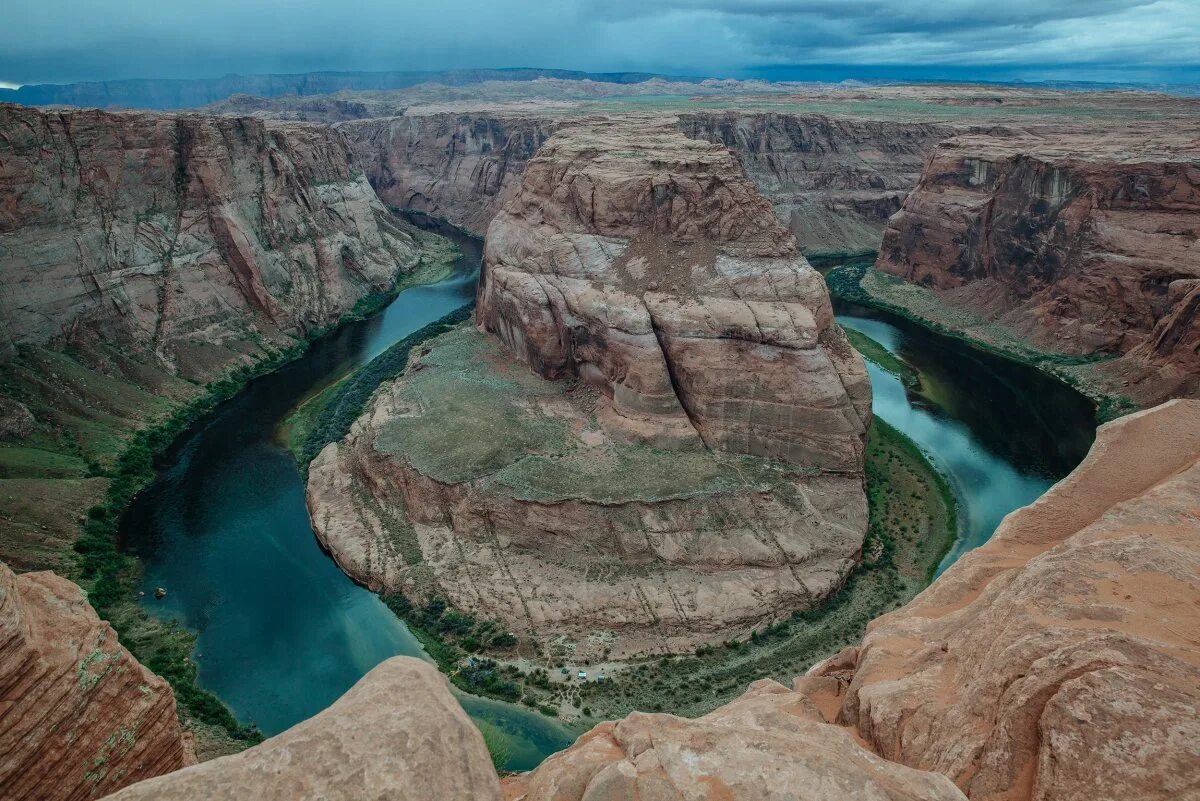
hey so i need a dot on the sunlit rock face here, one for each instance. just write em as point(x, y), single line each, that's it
point(396, 735)
point(1059, 661)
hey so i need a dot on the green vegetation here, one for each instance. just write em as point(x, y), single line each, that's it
point(328, 416)
point(859, 283)
point(872, 350)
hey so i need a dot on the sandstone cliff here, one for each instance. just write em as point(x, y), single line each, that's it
point(692, 469)
point(834, 182)
point(463, 167)
point(196, 239)
point(770, 744)
point(396, 735)
point(79, 716)
point(1079, 243)
point(1061, 660)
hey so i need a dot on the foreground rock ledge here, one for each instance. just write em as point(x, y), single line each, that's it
point(1061, 661)
point(659, 445)
point(79, 716)
point(397, 735)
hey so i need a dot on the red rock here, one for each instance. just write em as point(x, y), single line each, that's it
point(79, 716)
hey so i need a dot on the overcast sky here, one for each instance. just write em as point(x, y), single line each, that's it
point(71, 40)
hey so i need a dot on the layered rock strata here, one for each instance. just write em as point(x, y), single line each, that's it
point(463, 167)
point(1061, 660)
point(693, 465)
point(646, 264)
point(196, 239)
point(834, 182)
point(79, 716)
point(1081, 244)
point(398, 734)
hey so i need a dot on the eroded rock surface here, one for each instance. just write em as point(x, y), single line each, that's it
point(197, 239)
point(1061, 661)
point(769, 744)
point(79, 716)
point(396, 735)
point(648, 265)
point(684, 459)
point(1080, 243)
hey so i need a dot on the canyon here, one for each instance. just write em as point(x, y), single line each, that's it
point(650, 441)
point(659, 479)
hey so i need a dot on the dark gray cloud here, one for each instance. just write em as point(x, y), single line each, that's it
point(67, 40)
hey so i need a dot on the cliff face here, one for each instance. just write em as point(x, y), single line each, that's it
point(1080, 244)
point(1060, 660)
point(79, 716)
point(463, 167)
point(693, 465)
point(195, 239)
point(398, 734)
point(646, 264)
point(833, 182)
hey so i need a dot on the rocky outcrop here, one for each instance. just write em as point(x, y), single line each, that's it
point(1081, 244)
point(398, 734)
point(769, 744)
point(1059, 661)
point(834, 182)
point(646, 264)
point(692, 468)
point(79, 716)
point(463, 167)
point(195, 239)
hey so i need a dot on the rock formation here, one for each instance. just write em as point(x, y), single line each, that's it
point(770, 744)
point(79, 716)
point(396, 735)
point(463, 167)
point(1079, 243)
point(834, 182)
point(194, 238)
point(1060, 660)
point(692, 469)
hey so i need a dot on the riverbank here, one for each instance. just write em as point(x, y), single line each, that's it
point(109, 427)
point(857, 281)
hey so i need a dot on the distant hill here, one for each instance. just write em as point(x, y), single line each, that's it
point(176, 93)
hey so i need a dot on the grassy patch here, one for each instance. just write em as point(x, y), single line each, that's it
point(870, 349)
point(328, 416)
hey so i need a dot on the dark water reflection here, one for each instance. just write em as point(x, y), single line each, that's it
point(282, 632)
point(1002, 432)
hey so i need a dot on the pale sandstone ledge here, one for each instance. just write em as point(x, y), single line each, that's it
point(396, 735)
point(1061, 661)
point(79, 716)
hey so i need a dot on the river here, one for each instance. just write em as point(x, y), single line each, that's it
point(282, 632)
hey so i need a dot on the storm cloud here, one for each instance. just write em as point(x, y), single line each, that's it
point(71, 40)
